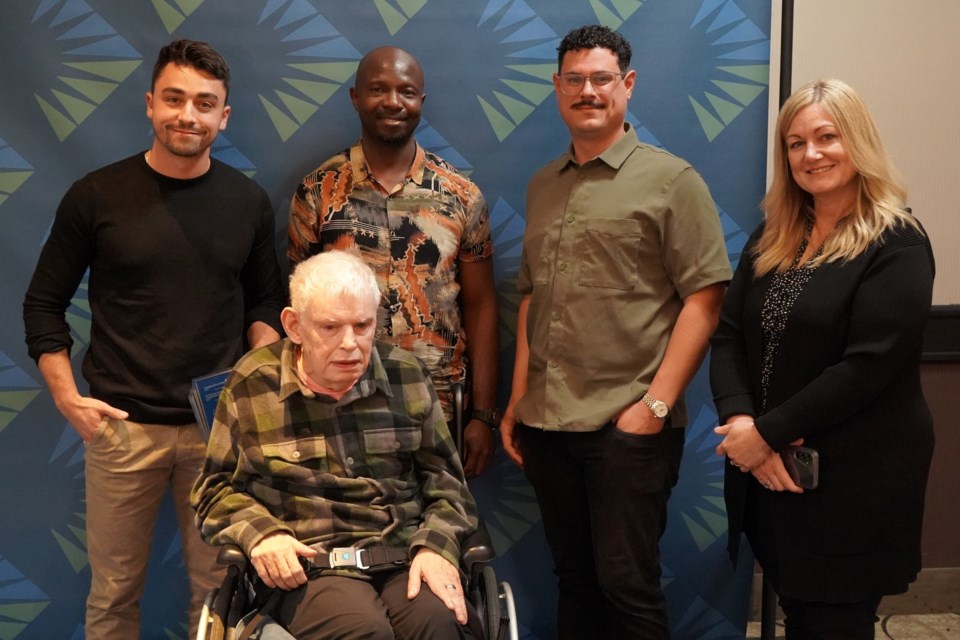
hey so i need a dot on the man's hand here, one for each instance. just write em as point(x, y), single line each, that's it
point(638, 420)
point(443, 579)
point(478, 446)
point(277, 560)
point(508, 436)
point(85, 414)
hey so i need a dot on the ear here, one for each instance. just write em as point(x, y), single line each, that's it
point(223, 117)
point(354, 97)
point(628, 81)
point(290, 320)
point(149, 100)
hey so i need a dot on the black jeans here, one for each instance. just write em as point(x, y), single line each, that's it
point(603, 497)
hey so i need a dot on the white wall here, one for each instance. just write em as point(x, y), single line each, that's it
point(904, 59)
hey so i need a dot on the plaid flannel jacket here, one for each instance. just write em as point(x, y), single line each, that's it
point(379, 466)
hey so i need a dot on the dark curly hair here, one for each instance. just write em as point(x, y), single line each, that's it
point(592, 36)
point(195, 54)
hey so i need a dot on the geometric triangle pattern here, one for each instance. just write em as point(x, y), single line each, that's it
point(735, 37)
point(520, 33)
point(397, 13)
point(613, 13)
point(86, 44)
point(173, 16)
point(14, 171)
point(321, 58)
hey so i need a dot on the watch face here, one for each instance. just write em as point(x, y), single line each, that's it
point(660, 409)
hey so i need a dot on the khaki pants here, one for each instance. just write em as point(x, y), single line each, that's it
point(129, 467)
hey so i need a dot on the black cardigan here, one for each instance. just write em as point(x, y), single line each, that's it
point(846, 378)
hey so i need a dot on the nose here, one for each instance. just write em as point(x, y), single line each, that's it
point(392, 99)
point(187, 112)
point(349, 342)
point(812, 152)
point(588, 88)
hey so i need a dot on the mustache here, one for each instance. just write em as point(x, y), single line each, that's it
point(588, 103)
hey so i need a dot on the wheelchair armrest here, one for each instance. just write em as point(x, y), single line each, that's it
point(230, 555)
point(476, 549)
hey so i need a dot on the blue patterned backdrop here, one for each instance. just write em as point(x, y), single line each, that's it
point(72, 83)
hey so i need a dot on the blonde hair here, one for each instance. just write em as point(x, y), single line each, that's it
point(333, 274)
point(787, 208)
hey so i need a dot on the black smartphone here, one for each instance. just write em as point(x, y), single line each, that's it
point(803, 465)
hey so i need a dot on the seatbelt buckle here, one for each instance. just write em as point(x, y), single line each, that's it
point(347, 557)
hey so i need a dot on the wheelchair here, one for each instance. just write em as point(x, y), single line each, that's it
point(493, 601)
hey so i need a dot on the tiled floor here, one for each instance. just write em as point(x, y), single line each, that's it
point(930, 626)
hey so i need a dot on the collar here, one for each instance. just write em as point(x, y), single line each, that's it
point(614, 156)
point(361, 169)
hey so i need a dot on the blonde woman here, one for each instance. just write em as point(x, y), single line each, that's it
point(819, 344)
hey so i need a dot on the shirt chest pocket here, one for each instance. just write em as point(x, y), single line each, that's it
point(380, 442)
point(305, 452)
point(609, 253)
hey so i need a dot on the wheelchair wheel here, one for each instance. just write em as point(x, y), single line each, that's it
point(490, 611)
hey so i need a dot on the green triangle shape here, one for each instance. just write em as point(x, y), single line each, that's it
point(542, 71)
point(391, 17)
point(756, 72)
point(62, 126)
point(300, 109)
point(502, 127)
point(320, 92)
point(17, 400)
point(701, 537)
point(9, 630)
point(189, 6)
point(410, 7)
point(82, 303)
point(6, 417)
point(717, 522)
point(710, 125)
point(80, 326)
point(725, 109)
point(284, 125)
point(604, 16)
point(10, 181)
point(626, 8)
point(76, 556)
point(3, 198)
point(170, 17)
point(79, 532)
point(525, 508)
point(742, 93)
point(79, 109)
point(514, 527)
point(117, 71)
point(24, 612)
point(336, 71)
point(517, 110)
point(93, 89)
point(532, 91)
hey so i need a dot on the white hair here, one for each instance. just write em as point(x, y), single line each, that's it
point(335, 274)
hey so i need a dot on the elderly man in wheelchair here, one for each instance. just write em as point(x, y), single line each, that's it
point(331, 466)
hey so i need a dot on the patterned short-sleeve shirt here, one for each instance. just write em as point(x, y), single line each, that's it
point(413, 237)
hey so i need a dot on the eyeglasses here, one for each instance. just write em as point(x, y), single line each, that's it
point(571, 84)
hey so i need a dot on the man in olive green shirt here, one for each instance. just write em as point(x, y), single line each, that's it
point(622, 276)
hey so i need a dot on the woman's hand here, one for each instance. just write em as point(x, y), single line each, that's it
point(773, 475)
point(742, 443)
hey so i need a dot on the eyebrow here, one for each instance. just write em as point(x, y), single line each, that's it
point(209, 95)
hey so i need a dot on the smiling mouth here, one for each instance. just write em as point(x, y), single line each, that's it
point(820, 170)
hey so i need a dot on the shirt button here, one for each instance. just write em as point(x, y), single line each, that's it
point(350, 460)
point(296, 454)
point(556, 315)
point(563, 266)
point(569, 218)
point(554, 364)
point(396, 444)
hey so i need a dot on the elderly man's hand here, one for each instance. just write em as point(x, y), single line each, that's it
point(277, 560)
point(443, 579)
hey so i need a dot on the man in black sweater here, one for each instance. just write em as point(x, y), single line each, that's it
point(182, 266)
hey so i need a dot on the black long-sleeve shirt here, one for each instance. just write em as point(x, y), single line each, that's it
point(178, 270)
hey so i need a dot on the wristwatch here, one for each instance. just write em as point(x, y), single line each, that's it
point(658, 407)
point(490, 416)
